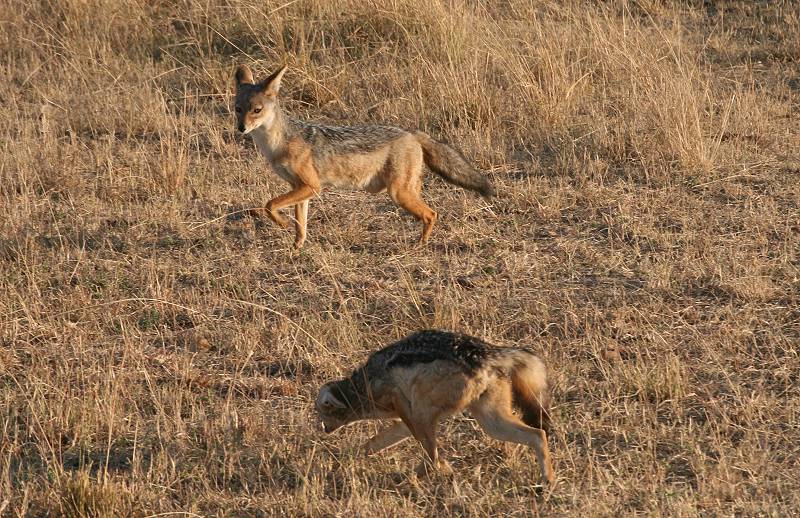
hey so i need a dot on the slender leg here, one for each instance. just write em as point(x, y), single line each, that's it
point(301, 219)
point(428, 440)
point(297, 195)
point(495, 417)
point(388, 437)
point(423, 428)
point(411, 201)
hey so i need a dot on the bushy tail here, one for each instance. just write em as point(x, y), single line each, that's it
point(452, 166)
point(531, 393)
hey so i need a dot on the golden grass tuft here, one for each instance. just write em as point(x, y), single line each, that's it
point(81, 497)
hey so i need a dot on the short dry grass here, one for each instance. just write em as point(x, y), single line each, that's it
point(159, 350)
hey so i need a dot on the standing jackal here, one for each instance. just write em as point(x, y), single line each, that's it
point(373, 158)
point(432, 374)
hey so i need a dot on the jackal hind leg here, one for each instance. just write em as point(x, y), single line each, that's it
point(387, 438)
point(409, 199)
point(493, 413)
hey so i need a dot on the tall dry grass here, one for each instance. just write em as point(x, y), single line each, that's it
point(159, 351)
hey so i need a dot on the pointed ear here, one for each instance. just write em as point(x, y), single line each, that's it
point(244, 75)
point(273, 83)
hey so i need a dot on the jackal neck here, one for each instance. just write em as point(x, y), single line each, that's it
point(271, 138)
point(357, 392)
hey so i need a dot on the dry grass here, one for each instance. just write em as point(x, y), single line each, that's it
point(159, 351)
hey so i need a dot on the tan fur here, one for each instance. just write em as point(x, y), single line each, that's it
point(372, 158)
point(431, 382)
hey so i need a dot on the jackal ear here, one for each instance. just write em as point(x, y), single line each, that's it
point(327, 399)
point(244, 75)
point(273, 83)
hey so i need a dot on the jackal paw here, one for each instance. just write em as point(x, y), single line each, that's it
point(278, 219)
point(368, 451)
point(445, 468)
point(259, 214)
point(372, 447)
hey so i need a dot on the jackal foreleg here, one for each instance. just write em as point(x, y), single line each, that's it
point(300, 194)
point(297, 159)
point(300, 222)
point(387, 437)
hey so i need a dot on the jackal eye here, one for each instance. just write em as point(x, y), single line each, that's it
point(256, 110)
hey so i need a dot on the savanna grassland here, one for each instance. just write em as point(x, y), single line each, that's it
point(160, 349)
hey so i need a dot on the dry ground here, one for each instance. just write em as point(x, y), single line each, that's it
point(159, 351)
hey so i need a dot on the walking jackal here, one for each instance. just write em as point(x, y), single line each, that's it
point(432, 374)
point(373, 158)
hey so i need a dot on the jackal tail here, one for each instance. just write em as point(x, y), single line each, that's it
point(530, 389)
point(450, 165)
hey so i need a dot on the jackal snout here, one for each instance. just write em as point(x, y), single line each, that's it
point(331, 410)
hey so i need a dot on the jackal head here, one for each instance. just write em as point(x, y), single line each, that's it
point(256, 103)
point(337, 405)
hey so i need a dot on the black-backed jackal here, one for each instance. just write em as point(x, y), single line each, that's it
point(372, 157)
point(432, 374)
